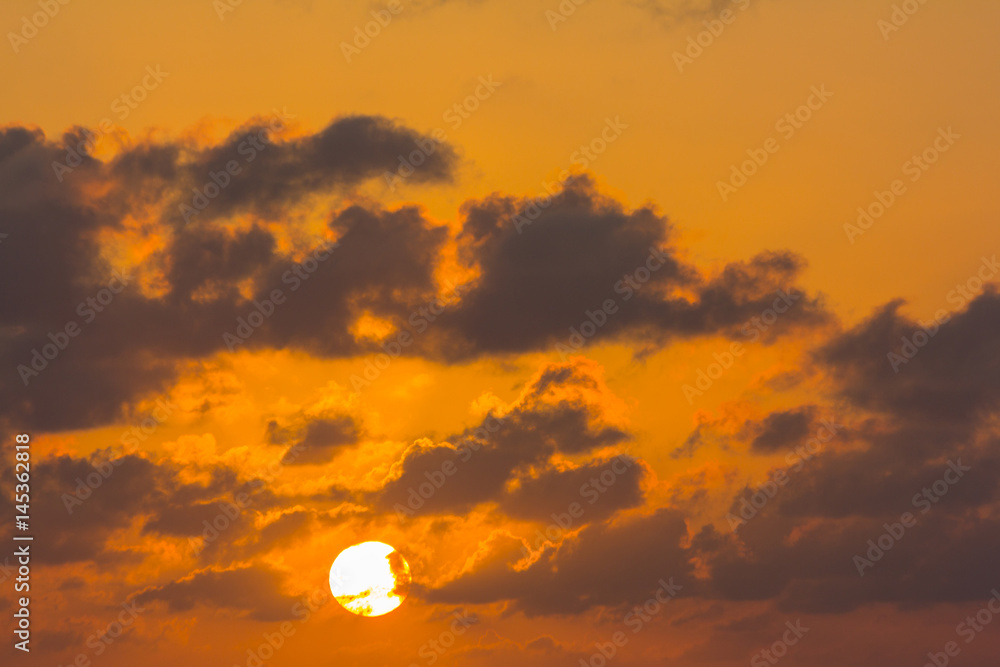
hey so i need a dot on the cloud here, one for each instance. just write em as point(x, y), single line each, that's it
point(913, 429)
point(278, 172)
point(135, 486)
point(951, 379)
point(782, 430)
point(197, 286)
point(88, 503)
point(253, 592)
point(674, 12)
point(561, 410)
point(606, 564)
point(322, 440)
point(798, 550)
point(541, 281)
point(384, 263)
point(600, 488)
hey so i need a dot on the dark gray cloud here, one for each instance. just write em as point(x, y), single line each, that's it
point(611, 565)
point(252, 592)
point(322, 440)
point(49, 248)
point(951, 378)
point(923, 444)
point(264, 169)
point(384, 262)
point(916, 429)
point(83, 503)
point(481, 460)
point(600, 488)
point(782, 430)
point(541, 279)
point(582, 250)
point(126, 348)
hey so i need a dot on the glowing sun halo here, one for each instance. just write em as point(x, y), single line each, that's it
point(370, 579)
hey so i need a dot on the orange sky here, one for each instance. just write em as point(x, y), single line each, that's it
point(510, 96)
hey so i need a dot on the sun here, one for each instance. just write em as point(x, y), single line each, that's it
point(370, 579)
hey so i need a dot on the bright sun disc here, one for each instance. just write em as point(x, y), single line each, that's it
point(370, 579)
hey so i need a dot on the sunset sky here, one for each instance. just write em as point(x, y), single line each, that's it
point(648, 332)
